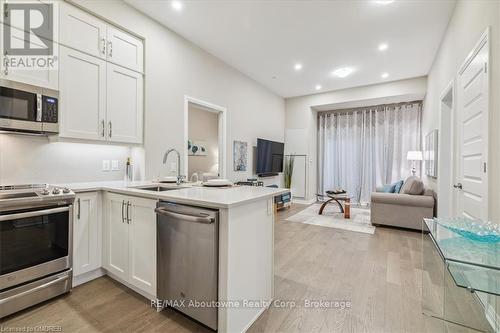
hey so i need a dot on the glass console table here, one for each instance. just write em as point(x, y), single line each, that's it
point(460, 280)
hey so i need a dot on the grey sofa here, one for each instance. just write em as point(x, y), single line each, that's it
point(402, 209)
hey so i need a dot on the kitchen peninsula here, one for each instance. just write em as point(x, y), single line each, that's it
point(245, 240)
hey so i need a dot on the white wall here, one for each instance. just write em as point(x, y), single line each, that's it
point(469, 21)
point(174, 67)
point(301, 116)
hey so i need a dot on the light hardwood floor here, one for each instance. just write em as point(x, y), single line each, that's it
point(379, 274)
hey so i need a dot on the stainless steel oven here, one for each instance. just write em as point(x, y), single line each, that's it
point(36, 225)
point(28, 111)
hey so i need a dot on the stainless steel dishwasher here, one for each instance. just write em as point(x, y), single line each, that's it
point(187, 260)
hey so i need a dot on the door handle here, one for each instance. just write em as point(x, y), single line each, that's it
point(34, 213)
point(110, 129)
point(189, 218)
point(110, 48)
point(123, 215)
point(103, 47)
point(79, 208)
point(103, 132)
point(458, 185)
point(128, 212)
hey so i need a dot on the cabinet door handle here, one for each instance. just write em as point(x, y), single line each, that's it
point(110, 48)
point(110, 130)
point(128, 212)
point(79, 208)
point(6, 64)
point(103, 46)
point(103, 131)
point(123, 215)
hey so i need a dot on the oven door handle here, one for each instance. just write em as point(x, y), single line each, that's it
point(33, 213)
point(31, 291)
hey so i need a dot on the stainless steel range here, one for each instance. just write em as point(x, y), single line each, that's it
point(36, 223)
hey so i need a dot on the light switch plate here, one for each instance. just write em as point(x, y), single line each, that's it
point(115, 165)
point(106, 165)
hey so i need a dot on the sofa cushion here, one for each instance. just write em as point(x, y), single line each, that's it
point(413, 185)
point(398, 186)
point(388, 188)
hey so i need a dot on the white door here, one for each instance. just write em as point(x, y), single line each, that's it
point(82, 95)
point(117, 251)
point(86, 234)
point(38, 77)
point(82, 31)
point(124, 49)
point(124, 104)
point(473, 112)
point(142, 244)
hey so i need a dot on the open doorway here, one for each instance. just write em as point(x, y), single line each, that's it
point(447, 156)
point(205, 140)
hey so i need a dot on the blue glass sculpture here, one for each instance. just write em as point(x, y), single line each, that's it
point(477, 230)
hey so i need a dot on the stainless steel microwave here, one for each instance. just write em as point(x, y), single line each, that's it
point(28, 111)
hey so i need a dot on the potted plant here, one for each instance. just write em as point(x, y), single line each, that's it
point(288, 171)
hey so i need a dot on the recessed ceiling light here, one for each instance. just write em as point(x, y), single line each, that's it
point(177, 5)
point(318, 87)
point(385, 75)
point(383, 46)
point(383, 2)
point(343, 72)
point(297, 66)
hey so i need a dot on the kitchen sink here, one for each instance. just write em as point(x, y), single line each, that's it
point(155, 188)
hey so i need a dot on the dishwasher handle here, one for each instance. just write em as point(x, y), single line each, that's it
point(189, 218)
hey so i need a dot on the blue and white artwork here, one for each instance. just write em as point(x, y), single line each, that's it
point(240, 156)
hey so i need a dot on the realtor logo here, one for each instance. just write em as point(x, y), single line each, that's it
point(29, 35)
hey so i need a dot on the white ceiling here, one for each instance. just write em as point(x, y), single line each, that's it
point(265, 39)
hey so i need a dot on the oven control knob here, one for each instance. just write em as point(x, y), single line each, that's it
point(56, 190)
point(66, 190)
point(45, 192)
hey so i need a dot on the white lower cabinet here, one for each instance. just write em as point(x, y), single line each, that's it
point(86, 233)
point(130, 240)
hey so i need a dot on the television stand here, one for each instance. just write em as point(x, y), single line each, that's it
point(269, 174)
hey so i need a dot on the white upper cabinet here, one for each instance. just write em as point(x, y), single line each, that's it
point(124, 49)
point(82, 31)
point(82, 96)
point(101, 81)
point(124, 104)
point(46, 78)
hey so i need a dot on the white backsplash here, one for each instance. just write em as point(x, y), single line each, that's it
point(32, 159)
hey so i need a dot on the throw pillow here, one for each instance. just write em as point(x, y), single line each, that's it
point(398, 186)
point(413, 185)
point(388, 188)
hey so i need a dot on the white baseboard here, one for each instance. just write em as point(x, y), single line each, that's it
point(303, 201)
point(261, 311)
point(86, 277)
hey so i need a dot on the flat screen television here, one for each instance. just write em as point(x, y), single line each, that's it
point(269, 157)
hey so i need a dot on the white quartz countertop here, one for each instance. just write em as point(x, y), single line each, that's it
point(187, 193)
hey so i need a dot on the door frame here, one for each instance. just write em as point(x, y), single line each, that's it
point(483, 40)
point(222, 115)
point(448, 151)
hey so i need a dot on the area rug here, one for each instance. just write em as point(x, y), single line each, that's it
point(333, 218)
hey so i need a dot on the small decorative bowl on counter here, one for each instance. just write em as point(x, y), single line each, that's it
point(476, 230)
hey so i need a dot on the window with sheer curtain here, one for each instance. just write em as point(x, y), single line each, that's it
point(363, 148)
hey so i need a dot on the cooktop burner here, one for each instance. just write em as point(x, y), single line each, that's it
point(12, 196)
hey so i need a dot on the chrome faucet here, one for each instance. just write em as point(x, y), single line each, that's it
point(179, 176)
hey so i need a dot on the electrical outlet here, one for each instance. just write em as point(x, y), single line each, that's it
point(115, 165)
point(106, 166)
